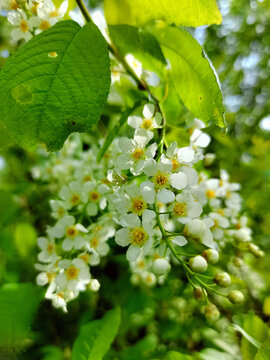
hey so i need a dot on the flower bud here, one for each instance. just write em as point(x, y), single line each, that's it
point(211, 312)
point(211, 256)
point(161, 266)
point(222, 279)
point(198, 264)
point(238, 262)
point(199, 294)
point(242, 235)
point(255, 250)
point(236, 297)
point(94, 285)
point(195, 229)
point(209, 158)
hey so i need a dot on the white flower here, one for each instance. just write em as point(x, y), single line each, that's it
point(163, 178)
point(135, 199)
point(134, 64)
point(178, 157)
point(59, 208)
point(97, 242)
point(198, 230)
point(185, 207)
point(9, 5)
point(47, 247)
point(71, 232)
point(48, 273)
point(135, 155)
point(136, 233)
point(23, 27)
point(74, 275)
point(96, 195)
point(220, 223)
point(73, 194)
point(150, 120)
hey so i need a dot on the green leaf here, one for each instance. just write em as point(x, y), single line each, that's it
point(184, 12)
point(143, 349)
point(25, 237)
point(51, 353)
point(18, 304)
point(7, 207)
point(264, 351)
point(95, 338)
point(249, 338)
point(143, 45)
point(55, 85)
point(194, 79)
point(174, 355)
point(256, 328)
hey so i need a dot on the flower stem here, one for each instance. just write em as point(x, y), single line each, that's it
point(112, 134)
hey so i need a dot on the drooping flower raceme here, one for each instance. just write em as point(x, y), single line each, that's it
point(154, 205)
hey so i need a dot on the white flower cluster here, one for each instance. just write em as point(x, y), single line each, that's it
point(31, 17)
point(152, 203)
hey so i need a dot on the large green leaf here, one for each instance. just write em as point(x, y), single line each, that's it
point(256, 328)
point(143, 45)
point(18, 304)
point(192, 74)
point(264, 351)
point(54, 85)
point(95, 338)
point(183, 12)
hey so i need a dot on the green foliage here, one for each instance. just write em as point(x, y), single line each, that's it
point(55, 85)
point(256, 328)
point(143, 45)
point(184, 12)
point(96, 337)
point(174, 355)
point(143, 349)
point(7, 207)
point(18, 304)
point(192, 74)
point(264, 351)
point(51, 353)
point(25, 237)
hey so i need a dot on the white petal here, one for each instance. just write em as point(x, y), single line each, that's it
point(151, 168)
point(134, 121)
point(124, 161)
point(132, 190)
point(126, 144)
point(148, 191)
point(165, 164)
point(165, 196)
point(42, 242)
point(133, 253)
point(67, 244)
point(122, 237)
point(148, 111)
point(92, 209)
point(130, 220)
point(151, 151)
point(148, 216)
point(196, 210)
point(142, 137)
point(178, 180)
point(179, 240)
point(186, 154)
point(171, 149)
